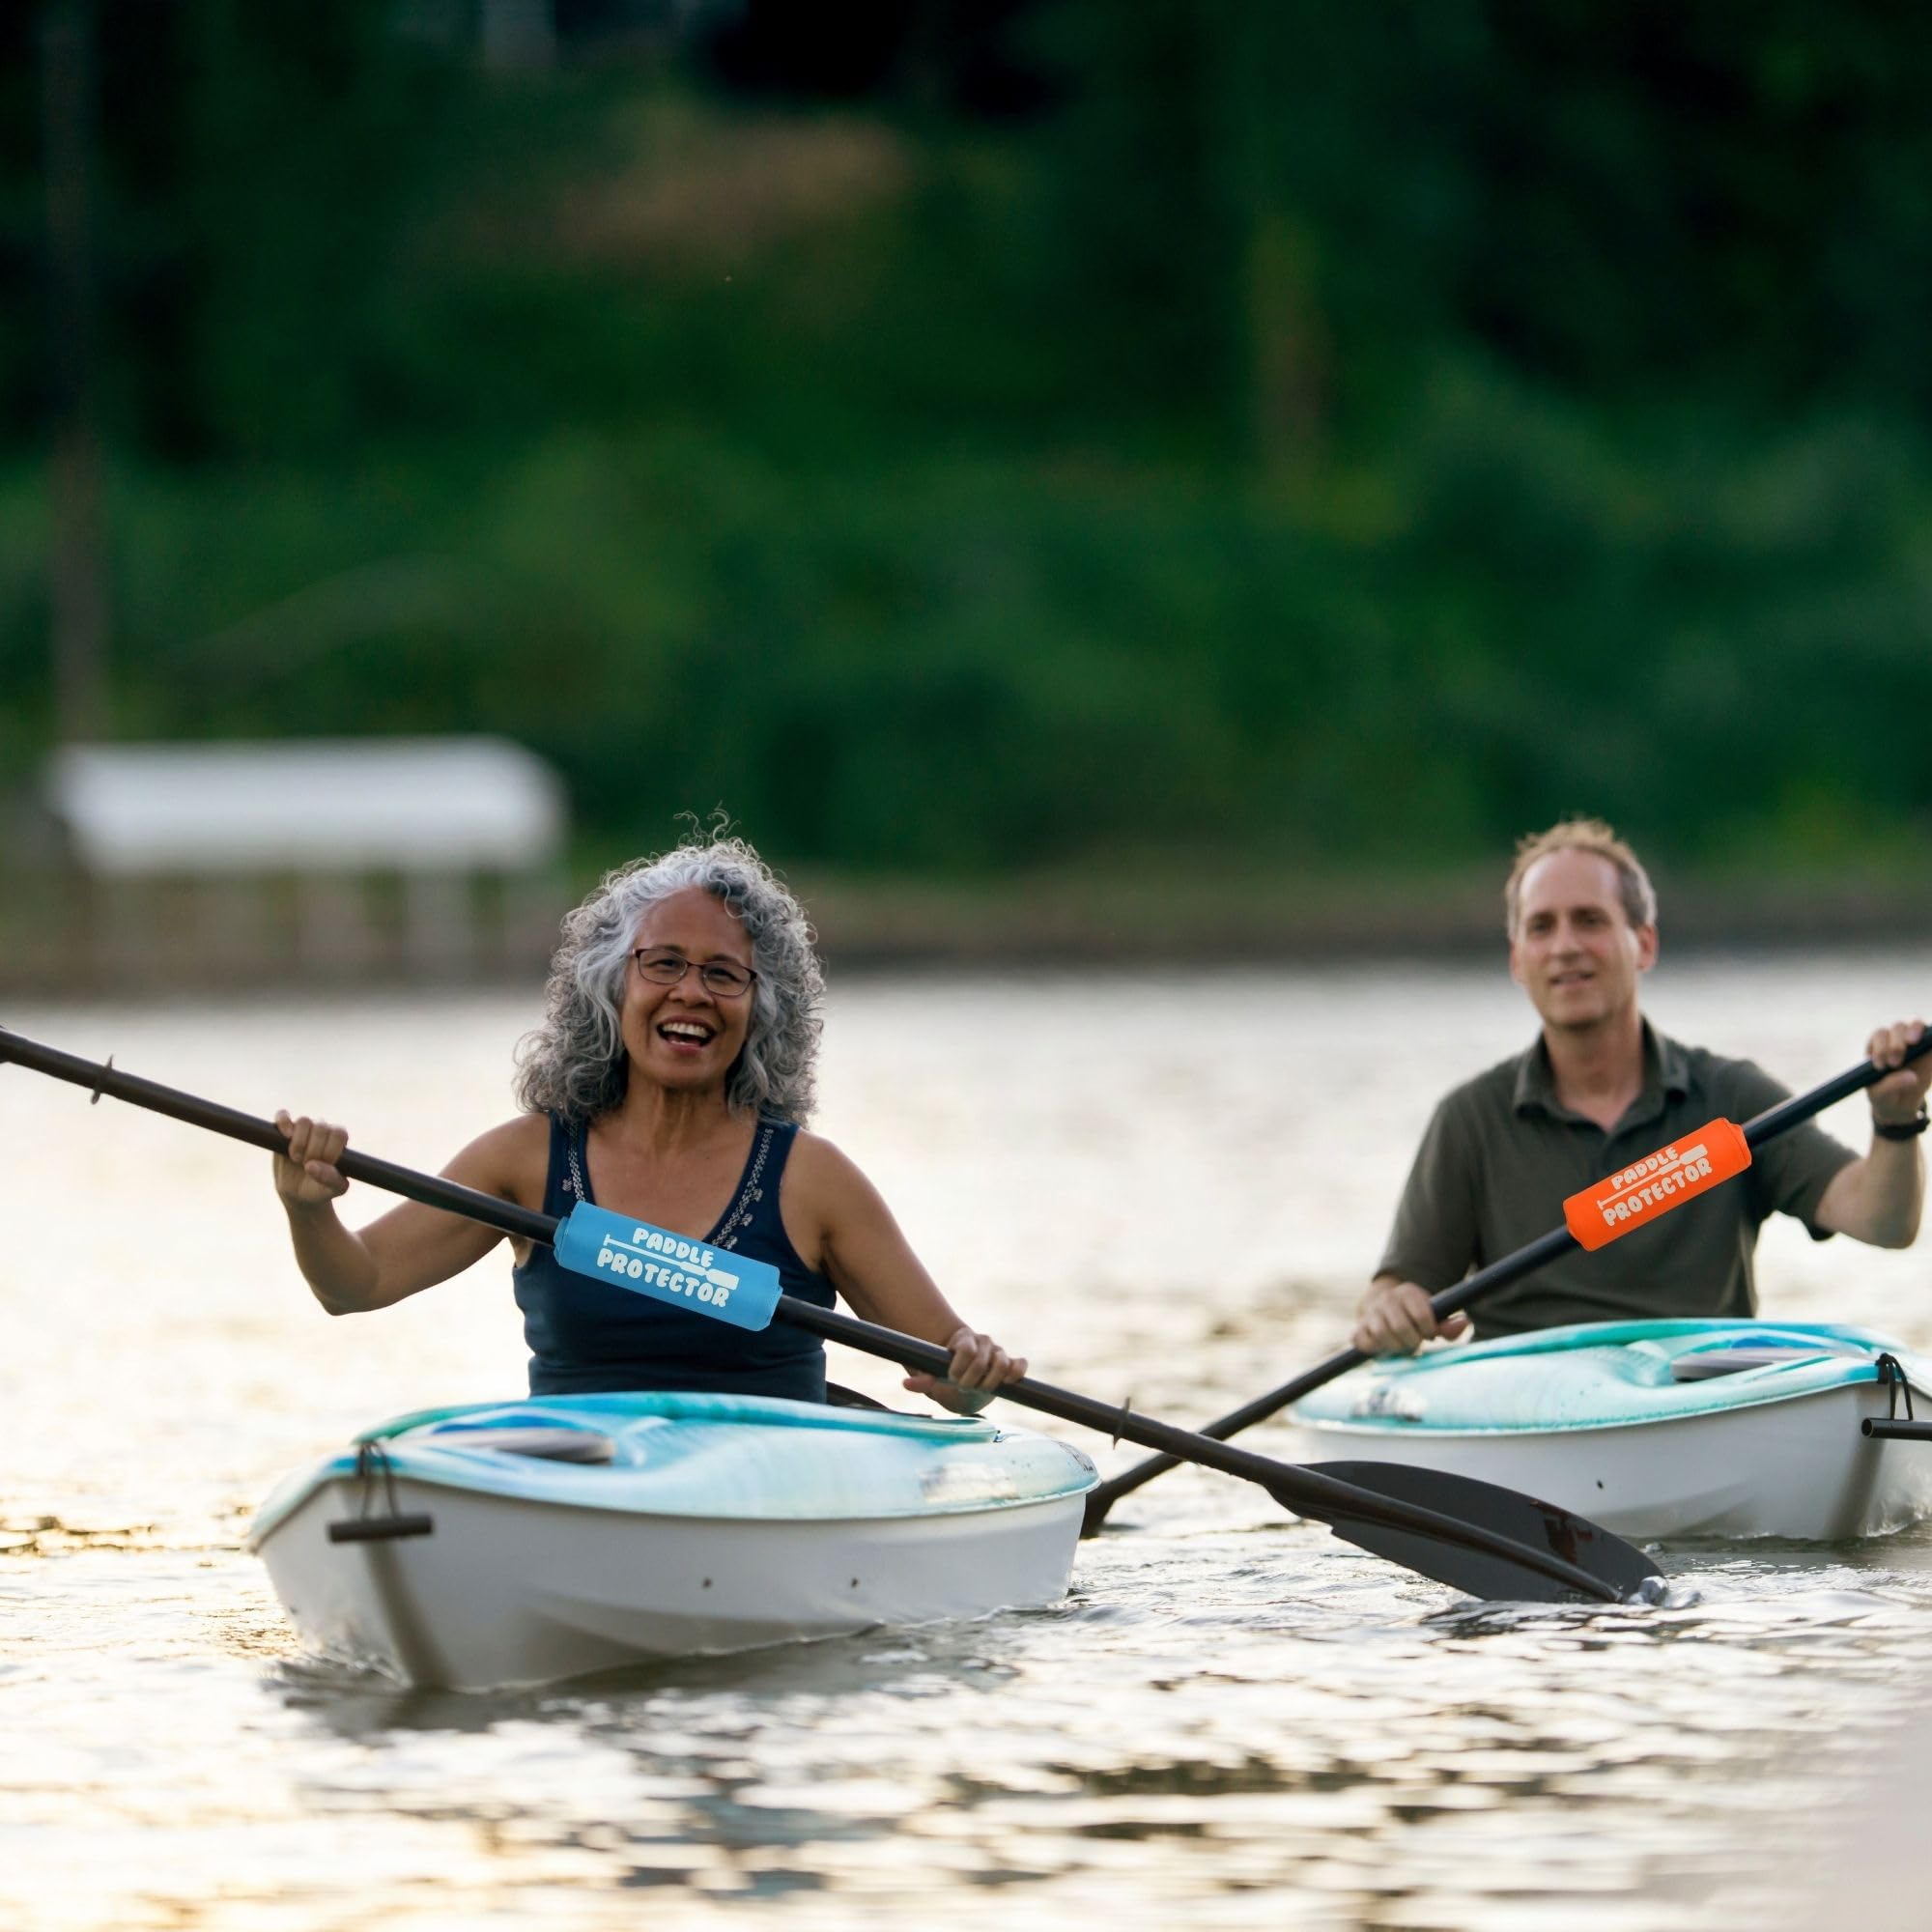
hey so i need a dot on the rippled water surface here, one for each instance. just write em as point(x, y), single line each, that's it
point(1168, 1186)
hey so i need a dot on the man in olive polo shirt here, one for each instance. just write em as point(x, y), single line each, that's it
point(1599, 1089)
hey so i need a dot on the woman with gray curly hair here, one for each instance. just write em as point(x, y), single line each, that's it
point(670, 1080)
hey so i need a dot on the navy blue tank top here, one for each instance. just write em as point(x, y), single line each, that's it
point(588, 1336)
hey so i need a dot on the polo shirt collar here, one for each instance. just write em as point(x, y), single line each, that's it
point(1666, 1077)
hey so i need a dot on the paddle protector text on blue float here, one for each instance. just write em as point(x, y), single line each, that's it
point(667, 1266)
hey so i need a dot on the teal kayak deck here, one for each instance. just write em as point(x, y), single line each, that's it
point(746, 1458)
point(1601, 1375)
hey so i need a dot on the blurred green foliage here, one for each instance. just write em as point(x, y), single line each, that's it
point(1336, 434)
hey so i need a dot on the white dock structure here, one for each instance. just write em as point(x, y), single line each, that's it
point(320, 859)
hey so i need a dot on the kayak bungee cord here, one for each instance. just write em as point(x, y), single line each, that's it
point(1633, 1197)
point(1475, 1537)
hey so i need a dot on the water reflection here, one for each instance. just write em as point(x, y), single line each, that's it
point(1233, 1721)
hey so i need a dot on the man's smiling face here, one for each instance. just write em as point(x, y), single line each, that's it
point(1575, 951)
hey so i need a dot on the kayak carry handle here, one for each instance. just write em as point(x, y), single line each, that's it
point(373, 1467)
point(1906, 1428)
point(379, 1528)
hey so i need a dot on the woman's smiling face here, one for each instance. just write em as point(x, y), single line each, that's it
point(686, 1036)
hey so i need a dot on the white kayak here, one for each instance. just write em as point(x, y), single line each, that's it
point(519, 1543)
point(1657, 1429)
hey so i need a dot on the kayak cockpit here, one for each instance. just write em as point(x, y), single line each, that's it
point(551, 1445)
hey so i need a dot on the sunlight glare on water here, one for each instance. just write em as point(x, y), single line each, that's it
point(1168, 1186)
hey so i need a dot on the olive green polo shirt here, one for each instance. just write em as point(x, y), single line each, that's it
point(1501, 1155)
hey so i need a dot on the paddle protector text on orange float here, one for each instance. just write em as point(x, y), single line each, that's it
point(1638, 1194)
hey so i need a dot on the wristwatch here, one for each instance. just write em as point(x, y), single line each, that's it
point(1903, 1130)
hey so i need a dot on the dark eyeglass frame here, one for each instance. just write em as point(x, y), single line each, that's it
point(721, 979)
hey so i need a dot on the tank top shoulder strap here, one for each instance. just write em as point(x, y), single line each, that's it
point(754, 1213)
point(565, 1180)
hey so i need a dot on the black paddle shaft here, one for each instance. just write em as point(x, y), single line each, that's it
point(431, 1190)
point(1451, 1550)
point(1525, 1261)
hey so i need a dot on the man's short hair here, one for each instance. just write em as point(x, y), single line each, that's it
point(1581, 834)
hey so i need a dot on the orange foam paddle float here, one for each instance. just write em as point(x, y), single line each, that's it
point(1648, 1189)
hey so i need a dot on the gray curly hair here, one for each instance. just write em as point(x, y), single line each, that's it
point(575, 1065)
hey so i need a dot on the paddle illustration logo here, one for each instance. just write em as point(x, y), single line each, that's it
point(1636, 1195)
point(668, 1268)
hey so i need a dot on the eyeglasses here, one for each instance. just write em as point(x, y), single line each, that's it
point(718, 976)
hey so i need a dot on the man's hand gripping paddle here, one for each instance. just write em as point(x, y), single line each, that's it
point(1633, 1197)
point(1473, 1536)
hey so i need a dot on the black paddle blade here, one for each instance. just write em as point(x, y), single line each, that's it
point(1575, 1539)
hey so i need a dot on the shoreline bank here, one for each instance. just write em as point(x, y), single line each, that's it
point(1094, 921)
